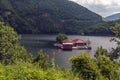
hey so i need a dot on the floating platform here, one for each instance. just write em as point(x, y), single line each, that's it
point(60, 46)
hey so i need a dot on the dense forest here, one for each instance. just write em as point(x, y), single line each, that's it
point(47, 16)
point(17, 64)
point(103, 28)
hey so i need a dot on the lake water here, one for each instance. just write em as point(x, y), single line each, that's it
point(34, 43)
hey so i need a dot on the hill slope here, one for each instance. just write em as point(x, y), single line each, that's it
point(46, 16)
point(113, 17)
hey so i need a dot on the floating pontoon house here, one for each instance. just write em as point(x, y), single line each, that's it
point(70, 44)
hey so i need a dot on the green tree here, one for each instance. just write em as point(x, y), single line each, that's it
point(100, 51)
point(10, 49)
point(61, 37)
point(108, 67)
point(115, 53)
point(116, 30)
point(41, 60)
point(85, 66)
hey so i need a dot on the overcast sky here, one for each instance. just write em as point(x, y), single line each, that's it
point(101, 7)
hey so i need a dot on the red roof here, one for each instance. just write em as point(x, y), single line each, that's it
point(73, 41)
point(80, 41)
point(67, 41)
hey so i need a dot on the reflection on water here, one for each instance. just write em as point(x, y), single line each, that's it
point(34, 43)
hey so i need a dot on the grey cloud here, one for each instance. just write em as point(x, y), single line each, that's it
point(103, 10)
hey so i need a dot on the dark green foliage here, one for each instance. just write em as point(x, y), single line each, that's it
point(41, 60)
point(100, 69)
point(115, 53)
point(116, 30)
point(100, 51)
point(85, 66)
point(107, 67)
point(47, 16)
point(61, 37)
point(10, 49)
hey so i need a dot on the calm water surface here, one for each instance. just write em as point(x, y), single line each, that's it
point(34, 43)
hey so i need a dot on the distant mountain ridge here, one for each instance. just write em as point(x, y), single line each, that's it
point(113, 17)
point(47, 16)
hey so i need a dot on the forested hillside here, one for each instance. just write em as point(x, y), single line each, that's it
point(103, 28)
point(47, 16)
